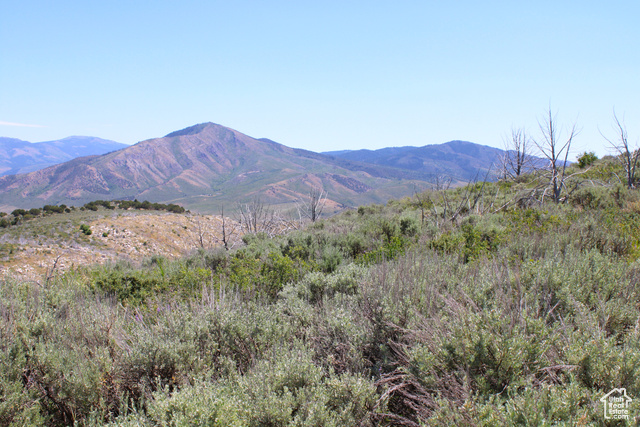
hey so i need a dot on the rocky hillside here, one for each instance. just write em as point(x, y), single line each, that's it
point(205, 167)
point(55, 244)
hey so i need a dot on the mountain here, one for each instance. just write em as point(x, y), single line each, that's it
point(204, 167)
point(462, 160)
point(18, 156)
point(207, 166)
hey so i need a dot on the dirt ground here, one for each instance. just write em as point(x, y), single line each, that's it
point(35, 254)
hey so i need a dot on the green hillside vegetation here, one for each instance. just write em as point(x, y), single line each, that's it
point(490, 304)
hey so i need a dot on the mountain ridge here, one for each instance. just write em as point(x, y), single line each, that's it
point(463, 160)
point(208, 165)
point(19, 156)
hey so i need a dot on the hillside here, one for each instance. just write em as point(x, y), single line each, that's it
point(206, 166)
point(56, 244)
point(483, 305)
point(461, 160)
point(18, 156)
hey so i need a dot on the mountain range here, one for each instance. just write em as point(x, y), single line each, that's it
point(461, 160)
point(208, 166)
point(18, 156)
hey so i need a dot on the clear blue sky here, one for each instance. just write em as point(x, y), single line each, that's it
point(323, 76)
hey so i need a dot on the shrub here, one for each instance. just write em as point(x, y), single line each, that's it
point(592, 198)
point(86, 230)
point(289, 389)
point(586, 159)
point(409, 226)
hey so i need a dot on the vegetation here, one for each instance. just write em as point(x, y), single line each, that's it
point(18, 216)
point(586, 159)
point(486, 305)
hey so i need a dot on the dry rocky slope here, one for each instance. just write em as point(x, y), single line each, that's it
point(205, 167)
point(115, 236)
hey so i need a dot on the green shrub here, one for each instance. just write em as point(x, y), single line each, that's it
point(287, 390)
point(586, 159)
point(592, 198)
point(331, 259)
point(409, 226)
point(86, 230)
point(128, 288)
point(315, 286)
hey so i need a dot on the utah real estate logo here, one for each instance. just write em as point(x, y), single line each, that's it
point(616, 404)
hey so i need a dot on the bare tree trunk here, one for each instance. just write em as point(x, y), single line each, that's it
point(556, 153)
point(227, 231)
point(517, 154)
point(423, 202)
point(628, 156)
point(312, 207)
point(200, 232)
point(256, 217)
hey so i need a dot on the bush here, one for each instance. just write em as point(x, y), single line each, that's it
point(514, 316)
point(592, 198)
point(86, 230)
point(586, 159)
point(289, 389)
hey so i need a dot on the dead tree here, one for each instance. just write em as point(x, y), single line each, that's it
point(256, 217)
point(473, 192)
point(314, 205)
point(626, 155)
point(556, 150)
point(228, 230)
point(442, 185)
point(423, 202)
point(201, 235)
point(517, 154)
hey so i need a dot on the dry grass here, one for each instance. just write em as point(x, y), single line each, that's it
point(129, 235)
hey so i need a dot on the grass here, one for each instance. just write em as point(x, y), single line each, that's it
point(502, 311)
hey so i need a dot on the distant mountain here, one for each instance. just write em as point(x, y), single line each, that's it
point(206, 166)
point(17, 156)
point(461, 160)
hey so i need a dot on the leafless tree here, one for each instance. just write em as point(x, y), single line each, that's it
point(473, 192)
point(422, 201)
point(313, 206)
point(201, 235)
point(255, 216)
point(627, 155)
point(205, 238)
point(517, 155)
point(442, 184)
point(556, 150)
point(228, 230)
point(453, 208)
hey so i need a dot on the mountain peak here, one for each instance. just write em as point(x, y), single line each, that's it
point(193, 130)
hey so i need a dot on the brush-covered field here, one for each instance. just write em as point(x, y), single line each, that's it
point(483, 305)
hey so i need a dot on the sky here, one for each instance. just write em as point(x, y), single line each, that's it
point(322, 76)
